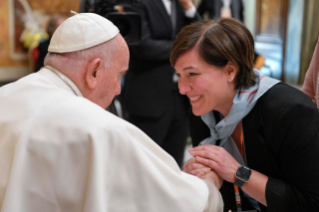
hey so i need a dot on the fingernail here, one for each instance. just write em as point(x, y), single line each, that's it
point(207, 170)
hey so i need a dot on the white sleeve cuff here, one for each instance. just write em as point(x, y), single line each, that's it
point(190, 13)
point(215, 201)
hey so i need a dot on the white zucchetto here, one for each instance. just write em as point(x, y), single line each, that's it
point(82, 31)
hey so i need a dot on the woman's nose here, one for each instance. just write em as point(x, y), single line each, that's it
point(183, 86)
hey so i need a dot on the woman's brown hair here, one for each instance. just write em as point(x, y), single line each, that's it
point(219, 41)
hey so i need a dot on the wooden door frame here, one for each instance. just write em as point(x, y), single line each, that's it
point(284, 22)
point(283, 31)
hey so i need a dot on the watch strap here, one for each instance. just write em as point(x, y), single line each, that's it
point(238, 182)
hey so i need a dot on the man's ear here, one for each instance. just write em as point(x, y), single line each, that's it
point(92, 73)
point(231, 70)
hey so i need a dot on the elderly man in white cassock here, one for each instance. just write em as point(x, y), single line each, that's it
point(60, 150)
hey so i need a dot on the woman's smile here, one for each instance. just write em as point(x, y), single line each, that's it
point(195, 99)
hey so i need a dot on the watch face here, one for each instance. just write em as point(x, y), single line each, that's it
point(243, 173)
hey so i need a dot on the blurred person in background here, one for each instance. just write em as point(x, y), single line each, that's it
point(54, 22)
point(259, 134)
point(222, 8)
point(310, 85)
point(150, 94)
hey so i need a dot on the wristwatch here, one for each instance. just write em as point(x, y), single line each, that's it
point(242, 175)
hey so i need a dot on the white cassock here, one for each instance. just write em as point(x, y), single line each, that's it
point(61, 152)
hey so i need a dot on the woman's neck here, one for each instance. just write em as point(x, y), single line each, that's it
point(228, 103)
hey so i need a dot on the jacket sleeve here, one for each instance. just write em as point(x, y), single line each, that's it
point(296, 139)
point(215, 200)
point(152, 49)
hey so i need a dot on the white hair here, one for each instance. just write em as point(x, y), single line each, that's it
point(76, 61)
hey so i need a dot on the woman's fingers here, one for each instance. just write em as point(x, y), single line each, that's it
point(205, 154)
point(208, 162)
point(190, 161)
point(193, 164)
point(206, 151)
point(194, 168)
point(225, 166)
point(216, 158)
point(205, 147)
point(196, 172)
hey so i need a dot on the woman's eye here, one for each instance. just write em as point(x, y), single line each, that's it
point(192, 74)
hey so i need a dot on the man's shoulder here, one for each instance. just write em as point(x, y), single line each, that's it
point(77, 121)
point(48, 114)
point(80, 111)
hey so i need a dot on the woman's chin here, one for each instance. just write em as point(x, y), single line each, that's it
point(197, 112)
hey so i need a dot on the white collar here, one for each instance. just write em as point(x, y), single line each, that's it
point(167, 5)
point(60, 80)
point(227, 3)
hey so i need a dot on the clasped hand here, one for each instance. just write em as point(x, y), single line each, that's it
point(208, 159)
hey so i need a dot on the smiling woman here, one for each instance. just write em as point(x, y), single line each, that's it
point(253, 131)
point(208, 87)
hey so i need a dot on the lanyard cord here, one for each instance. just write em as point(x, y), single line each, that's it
point(237, 194)
point(236, 189)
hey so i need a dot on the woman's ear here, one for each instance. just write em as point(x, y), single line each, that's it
point(92, 73)
point(231, 70)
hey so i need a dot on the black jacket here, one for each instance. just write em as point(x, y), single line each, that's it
point(281, 138)
point(43, 51)
point(149, 80)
